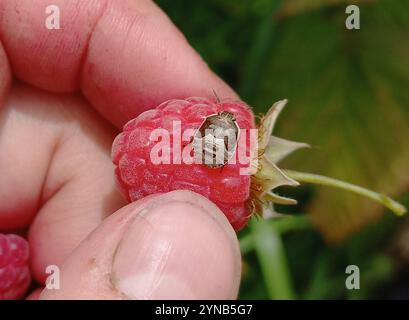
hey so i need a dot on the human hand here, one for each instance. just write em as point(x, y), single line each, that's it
point(110, 61)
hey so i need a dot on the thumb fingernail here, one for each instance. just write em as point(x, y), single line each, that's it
point(177, 251)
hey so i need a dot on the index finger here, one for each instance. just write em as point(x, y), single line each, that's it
point(125, 56)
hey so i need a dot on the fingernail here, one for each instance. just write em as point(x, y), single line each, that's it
point(176, 251)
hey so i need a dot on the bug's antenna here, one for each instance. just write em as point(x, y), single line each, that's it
point(215, 94)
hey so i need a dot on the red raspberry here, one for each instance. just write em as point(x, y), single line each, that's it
point(15, 275)
point(139, 177)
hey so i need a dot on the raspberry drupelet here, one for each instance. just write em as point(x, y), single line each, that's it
point(138, 176)
point(15, 275)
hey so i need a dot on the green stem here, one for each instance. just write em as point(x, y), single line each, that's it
point(291, 223)
point(273, 261)
point(396, 207)
point(280, 226)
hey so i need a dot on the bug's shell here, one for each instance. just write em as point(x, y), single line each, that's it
point(215, 142)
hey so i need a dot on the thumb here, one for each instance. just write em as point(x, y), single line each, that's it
point(177, 245)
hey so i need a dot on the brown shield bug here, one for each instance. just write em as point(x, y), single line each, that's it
point(216, 140)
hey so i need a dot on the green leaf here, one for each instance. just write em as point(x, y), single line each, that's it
point(348, 96)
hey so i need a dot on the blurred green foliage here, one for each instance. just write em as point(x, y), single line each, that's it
point(349, 98)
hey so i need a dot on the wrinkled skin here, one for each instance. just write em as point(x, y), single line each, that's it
point(63, 95)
